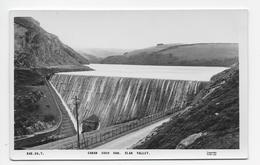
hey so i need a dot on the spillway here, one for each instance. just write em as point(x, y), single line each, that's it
point(120, 99)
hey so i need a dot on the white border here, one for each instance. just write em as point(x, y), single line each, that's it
point(242, 153)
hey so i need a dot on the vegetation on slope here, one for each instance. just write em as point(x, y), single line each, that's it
point(38, 55)
point(33, 105)
point(202, 54)
point(211, 122)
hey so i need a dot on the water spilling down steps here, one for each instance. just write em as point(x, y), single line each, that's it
point(116, 100)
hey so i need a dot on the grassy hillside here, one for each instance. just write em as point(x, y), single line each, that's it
point(152, 49)
point(210, 122)
point(103, 52)
point(202, 54)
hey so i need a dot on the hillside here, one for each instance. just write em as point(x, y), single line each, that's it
point(34, 47)
point(91, 58)
point(210, 122)
point(201, 54)
point(38, 55)
point(152, 49)
point(115, 60)
point(103, 52)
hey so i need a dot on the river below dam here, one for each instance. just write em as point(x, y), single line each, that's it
point(120, 93)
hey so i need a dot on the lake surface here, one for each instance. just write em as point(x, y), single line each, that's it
point(151, 72)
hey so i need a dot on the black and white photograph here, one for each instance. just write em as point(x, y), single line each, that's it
point(132, 84)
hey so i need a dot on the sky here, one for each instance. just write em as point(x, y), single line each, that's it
point(140, 29)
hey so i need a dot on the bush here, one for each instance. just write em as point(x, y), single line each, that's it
point(48, 118)
point(32, 107)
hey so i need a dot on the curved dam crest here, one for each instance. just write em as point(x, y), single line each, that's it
point(119, 99)
point(121, 93)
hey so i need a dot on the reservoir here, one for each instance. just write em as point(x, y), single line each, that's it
point(151, 72)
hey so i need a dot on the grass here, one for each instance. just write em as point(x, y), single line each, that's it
point(34, 110)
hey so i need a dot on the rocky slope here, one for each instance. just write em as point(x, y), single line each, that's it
point(211, 122)
point(34, 47)
point(201, 54)
point(38, 55)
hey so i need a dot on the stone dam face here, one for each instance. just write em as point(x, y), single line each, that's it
point(116, 100)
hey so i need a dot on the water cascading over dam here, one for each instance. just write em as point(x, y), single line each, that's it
point(119, 99)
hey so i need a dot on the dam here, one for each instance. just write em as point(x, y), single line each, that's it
point(123, 102)
point(120, 93)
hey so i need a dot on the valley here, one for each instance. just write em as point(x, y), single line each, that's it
point(123, 95)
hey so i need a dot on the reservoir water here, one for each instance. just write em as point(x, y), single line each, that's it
point(151, 72)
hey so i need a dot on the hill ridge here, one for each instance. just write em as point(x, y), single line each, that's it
point(35, 47)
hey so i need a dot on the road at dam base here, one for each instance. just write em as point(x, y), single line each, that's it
point(132, 138)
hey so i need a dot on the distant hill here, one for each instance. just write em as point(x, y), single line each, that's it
point(34, 47)
point(91, 58)
point(152, 49)
point(103, 52)
point(200, 54)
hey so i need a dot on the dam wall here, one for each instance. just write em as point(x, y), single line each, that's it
point(116, 100)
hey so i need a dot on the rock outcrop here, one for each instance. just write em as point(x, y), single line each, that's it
point(210, 122)
point(34, 47)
